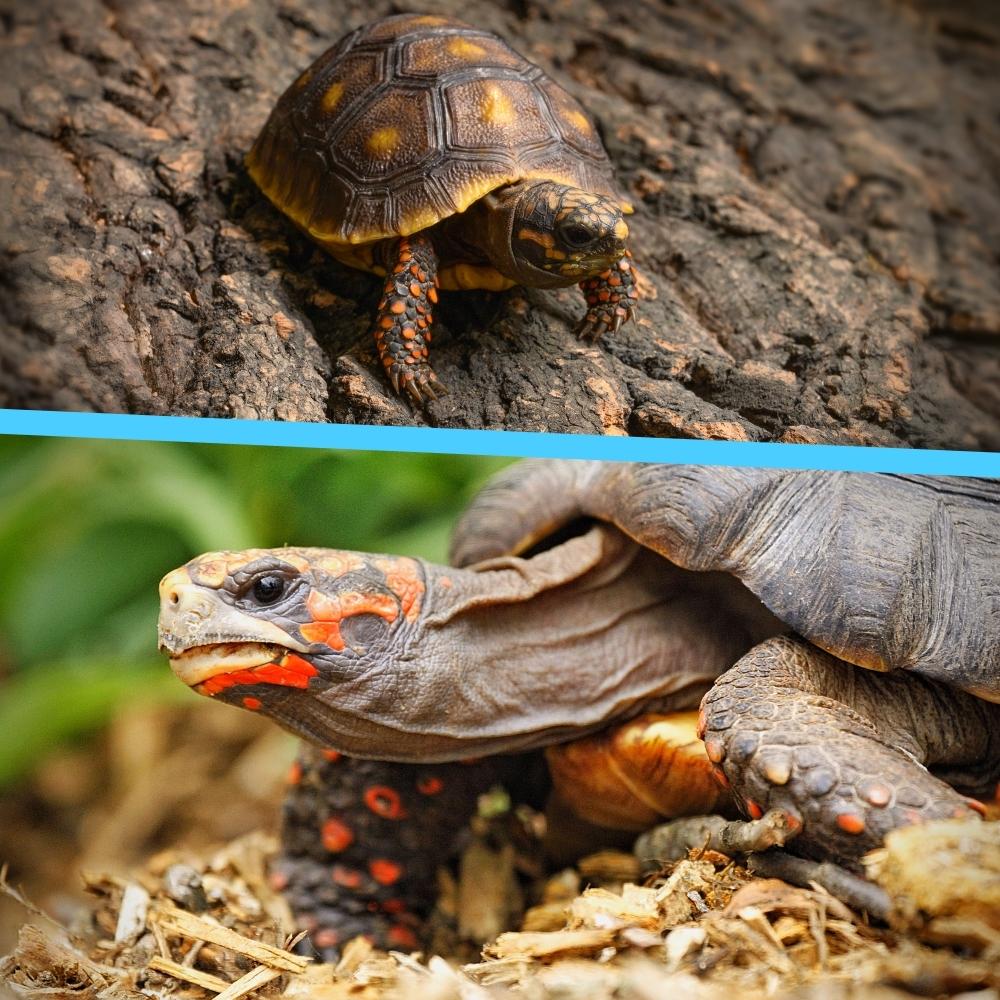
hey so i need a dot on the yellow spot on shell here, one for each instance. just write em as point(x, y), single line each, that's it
point(332, 97)
point(383, 141)
point(465, 49)
point(496, 106)
point(621, 230)
point(304, 78)
point(430, 19)
point(578, 120)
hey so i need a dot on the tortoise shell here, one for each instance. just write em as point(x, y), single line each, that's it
point(411, 119)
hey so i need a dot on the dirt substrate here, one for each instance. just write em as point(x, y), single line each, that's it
point(200, 921)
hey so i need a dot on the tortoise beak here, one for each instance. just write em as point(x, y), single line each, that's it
point(193, 615)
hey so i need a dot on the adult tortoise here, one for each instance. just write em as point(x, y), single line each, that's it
point(591, 608)
point(429, 151)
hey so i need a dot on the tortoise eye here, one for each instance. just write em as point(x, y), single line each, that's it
point(576, 236)
point(267, 589)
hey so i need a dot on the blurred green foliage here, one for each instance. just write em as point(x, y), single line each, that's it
point(87, 528)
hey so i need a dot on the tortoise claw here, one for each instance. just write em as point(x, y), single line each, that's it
point(423, 387)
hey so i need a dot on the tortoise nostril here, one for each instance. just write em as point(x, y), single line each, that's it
point(174, 597)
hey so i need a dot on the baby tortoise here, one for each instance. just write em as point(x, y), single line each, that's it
point(429, 151)
point(840, 631)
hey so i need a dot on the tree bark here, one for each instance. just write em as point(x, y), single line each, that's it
point(818, 223)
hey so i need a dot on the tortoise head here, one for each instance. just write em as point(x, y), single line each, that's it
point(545, 235)
point(399, 659)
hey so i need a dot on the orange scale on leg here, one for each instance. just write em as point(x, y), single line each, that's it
point(402, 937)
point(335, 835)
point(384, 871)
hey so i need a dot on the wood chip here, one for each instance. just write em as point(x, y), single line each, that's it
point(132, 914)
point(254, 979)
point(194, 976)
point(187, 925)
point(541, 944)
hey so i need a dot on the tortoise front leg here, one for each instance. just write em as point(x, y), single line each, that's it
point(405, 313)
point(362, 841)
point(612, 299)
point(842, 750)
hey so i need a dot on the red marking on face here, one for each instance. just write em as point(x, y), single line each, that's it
point(755, 810)
point(851, 823)
point(253, 704)
point(294, 773)
point(349, 878)
point(384, 871)
point(977, 805)
point(402, 937)
point(278, 881)
point(702, 724)
point(385, 802)
point(326, 938)
point(332, 755)
point(720, 777)
point(794, 822)
point(336, 836)
point(444, 581)
point(471, 760)
point(430, 786)
point(289, 671)
point(393, 906)
point(402, 576)
point(328, 612)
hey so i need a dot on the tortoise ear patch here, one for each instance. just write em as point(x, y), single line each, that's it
point(328, 613)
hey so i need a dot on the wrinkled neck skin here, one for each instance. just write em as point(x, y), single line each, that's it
point(521, 653)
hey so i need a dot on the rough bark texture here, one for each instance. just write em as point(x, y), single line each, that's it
point(818, 223)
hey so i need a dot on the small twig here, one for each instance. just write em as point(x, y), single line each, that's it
point(672, 841)
point(849, 888)
point(18, 896)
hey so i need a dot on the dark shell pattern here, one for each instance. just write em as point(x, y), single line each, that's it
point(411, 119)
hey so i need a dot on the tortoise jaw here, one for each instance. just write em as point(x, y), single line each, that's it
point(197, 664)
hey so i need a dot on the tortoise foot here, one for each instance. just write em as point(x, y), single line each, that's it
point(612, 300)
point(405, 314)
point(794, 729)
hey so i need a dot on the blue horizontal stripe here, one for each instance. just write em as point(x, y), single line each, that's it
point(357, 437)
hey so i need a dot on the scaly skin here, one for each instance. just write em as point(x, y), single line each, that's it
point(405, 314)
point(612, 299)
point(792, 728)
point(362, 841)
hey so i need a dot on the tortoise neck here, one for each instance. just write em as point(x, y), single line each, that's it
point(514, 654)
